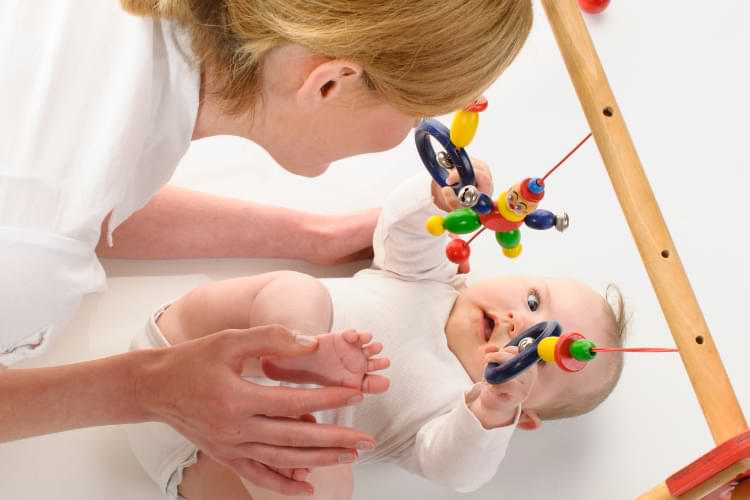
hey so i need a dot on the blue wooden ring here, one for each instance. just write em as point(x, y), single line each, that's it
point(497, 373)
point(433, 128)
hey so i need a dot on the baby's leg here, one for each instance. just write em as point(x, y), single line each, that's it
point(300, 303)
point(209, 480)
point(296, 301)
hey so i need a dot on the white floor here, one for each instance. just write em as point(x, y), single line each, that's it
point(680, 73)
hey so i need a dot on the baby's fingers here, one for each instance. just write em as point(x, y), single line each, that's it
point(449, 198)
point(500, 356)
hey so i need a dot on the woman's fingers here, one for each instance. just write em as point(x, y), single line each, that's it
point(293, 402)
point(291, 432)
point(294, 457)
point(236, 346)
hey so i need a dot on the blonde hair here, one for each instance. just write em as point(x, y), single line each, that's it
point(425, 57)
point(618, 325)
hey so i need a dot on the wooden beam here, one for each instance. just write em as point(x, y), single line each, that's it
point(678, 303)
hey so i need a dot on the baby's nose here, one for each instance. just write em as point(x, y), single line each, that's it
point(518, 323)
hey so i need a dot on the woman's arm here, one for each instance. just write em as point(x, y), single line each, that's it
point(179, 223)
point(46, 400)
point(196, 388)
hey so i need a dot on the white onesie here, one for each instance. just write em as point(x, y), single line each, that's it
point(422, 423)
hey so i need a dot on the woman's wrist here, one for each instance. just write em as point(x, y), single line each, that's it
point(147, 369)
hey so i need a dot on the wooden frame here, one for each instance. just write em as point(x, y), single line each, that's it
point(676, 298)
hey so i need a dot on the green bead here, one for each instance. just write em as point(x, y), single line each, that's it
point(581, 350)
point(462, 221)
point(509, 239)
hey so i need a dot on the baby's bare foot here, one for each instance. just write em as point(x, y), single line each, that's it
point(342, 359)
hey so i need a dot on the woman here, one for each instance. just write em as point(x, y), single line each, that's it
point(98, 108)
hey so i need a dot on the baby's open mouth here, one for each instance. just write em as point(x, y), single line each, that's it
point(489, 326)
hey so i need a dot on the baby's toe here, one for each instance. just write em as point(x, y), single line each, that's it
point(375, 384)
point(350, 336)
point(373, 349)
point(364, 338)
point(376, 364)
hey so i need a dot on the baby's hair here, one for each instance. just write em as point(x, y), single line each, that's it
point(614, 309)
point(425, 57)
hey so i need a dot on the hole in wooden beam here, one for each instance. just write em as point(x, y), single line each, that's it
point(665, 254)
point(699, 339)
point(608, 112)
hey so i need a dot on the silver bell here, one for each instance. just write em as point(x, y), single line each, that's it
point(444, 160)
point(468, 196)
point(562, 222)
point(524, 343)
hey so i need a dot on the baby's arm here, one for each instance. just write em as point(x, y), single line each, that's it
point(463, 448)
point(401, 242)
point(456, 450)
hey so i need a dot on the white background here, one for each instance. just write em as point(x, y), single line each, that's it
point(679, 70)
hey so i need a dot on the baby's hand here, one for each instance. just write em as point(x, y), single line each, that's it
point(447, 200)
point(497, 404)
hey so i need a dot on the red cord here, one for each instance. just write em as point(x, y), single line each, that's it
point(633, 349)
point(567, 156)
point(475, 235)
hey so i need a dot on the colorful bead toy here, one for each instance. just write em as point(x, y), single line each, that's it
point(593, 6)
point(514, 207)
point(570, 351)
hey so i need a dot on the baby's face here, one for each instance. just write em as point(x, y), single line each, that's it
point(494, 311)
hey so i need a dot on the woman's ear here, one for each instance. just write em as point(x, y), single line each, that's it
point(529, 420)
point(328, 80)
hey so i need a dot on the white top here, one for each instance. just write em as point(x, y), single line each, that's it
point(422, 422)
point(97, 108)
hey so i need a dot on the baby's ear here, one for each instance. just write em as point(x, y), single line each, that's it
point(529, 420)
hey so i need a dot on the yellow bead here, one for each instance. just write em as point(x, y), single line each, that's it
point(435, 225)
point(546, 349)
point(464, 127)
point(514, 252)
point(504, 209)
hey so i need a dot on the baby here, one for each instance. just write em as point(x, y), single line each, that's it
point(438, 419)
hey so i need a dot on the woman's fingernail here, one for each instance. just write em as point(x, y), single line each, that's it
point(356, 399)
point(365, 445)
point(305, 340)
point(347, 458)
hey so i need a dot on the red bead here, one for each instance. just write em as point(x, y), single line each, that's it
point(458, 251)
point(496, 222)
point(478, 105)
point(593, 6)
point(563, 358)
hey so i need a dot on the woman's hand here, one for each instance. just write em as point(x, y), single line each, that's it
point(342, 238)
point(446, 198)
point(255, 430)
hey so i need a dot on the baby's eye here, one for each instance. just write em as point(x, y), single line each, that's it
point(533, 300)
